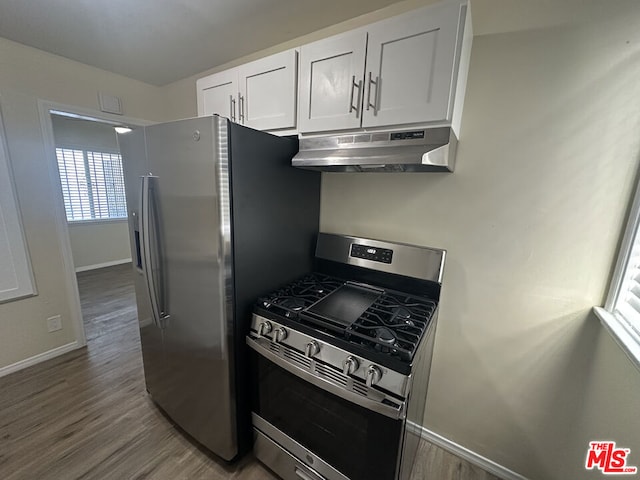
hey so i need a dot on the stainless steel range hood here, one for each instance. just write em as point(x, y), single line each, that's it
point(416, 150)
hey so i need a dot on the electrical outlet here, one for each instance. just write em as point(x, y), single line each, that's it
point(54, 323)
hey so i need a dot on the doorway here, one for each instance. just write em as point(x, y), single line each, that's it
point(86, 169)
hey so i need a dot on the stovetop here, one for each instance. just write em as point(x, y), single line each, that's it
point(383, 325)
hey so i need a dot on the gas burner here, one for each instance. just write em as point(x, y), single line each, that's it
point(401, 312)
point(318, 288)
point(386, 336)
point(401, 317)
point(292, 299)
point(292, 303)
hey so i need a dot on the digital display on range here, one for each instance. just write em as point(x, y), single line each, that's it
point(375, 254)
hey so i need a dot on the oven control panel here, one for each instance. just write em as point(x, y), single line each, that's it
point(313, 352)
point(375, 254)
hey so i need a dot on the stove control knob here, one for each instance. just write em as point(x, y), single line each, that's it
point(280, 334)
point(350, 365)
point(264, 328)
point(312, 348)
point(373, 375)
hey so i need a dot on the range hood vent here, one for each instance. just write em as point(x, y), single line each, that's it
point(423, 150)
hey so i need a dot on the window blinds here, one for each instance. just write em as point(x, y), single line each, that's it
point(627, 304)
point(92, 184)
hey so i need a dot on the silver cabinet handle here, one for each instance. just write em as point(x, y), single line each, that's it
point(373, 105)
point(147, 230)
point(232, 108)
point(360, 95)
point(358, 104)
point(241, 107)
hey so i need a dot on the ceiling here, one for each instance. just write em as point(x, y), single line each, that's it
point(160, 41)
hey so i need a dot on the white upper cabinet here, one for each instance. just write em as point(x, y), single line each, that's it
point(217, 94)
point(331, 82)
point(260, 94)
point(403, 70)
point(410, 67)
point(407, 70)
point(267, 99)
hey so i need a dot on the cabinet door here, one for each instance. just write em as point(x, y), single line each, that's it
point(331, 82)
point(410, 66)
point(267, 98)
point(217, 93)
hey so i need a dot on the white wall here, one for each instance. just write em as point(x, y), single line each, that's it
point(93, 243)
point(76, 132)
point(27, 74)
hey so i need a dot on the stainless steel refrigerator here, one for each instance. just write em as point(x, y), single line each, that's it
point(217, 217)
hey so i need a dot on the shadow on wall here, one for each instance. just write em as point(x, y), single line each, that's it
point(535, 381)
point(551, 387)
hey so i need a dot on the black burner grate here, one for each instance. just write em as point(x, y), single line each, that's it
point(290, 300)
point(394, 324)
point(391, 324)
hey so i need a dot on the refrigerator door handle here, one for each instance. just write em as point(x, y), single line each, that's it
point(146, 215)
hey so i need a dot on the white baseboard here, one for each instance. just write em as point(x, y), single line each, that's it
point(102, 265)
point(41, 357)
point(466, 454)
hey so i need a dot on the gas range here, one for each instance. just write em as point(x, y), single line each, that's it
point(381, 324)
point(341, 360)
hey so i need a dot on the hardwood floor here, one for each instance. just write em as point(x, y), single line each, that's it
point(86, 414)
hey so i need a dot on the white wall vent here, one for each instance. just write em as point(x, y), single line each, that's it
point(110, 103)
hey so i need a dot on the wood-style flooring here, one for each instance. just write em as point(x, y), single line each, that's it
point(86, 414)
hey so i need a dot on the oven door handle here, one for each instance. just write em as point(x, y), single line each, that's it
point(397, 413)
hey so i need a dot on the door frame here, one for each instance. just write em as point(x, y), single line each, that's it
point(45, 110)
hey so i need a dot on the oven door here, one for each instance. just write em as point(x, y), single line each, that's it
point(318, 423)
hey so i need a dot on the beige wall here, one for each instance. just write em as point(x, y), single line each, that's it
point(75, 132)
point(93, 243)
point(27, 74)
point(523, 373)
point(43, 75)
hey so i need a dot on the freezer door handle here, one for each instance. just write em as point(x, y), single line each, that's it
point(148, 232)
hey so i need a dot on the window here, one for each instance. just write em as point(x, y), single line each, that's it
point(621, 313)
point(92, 184)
